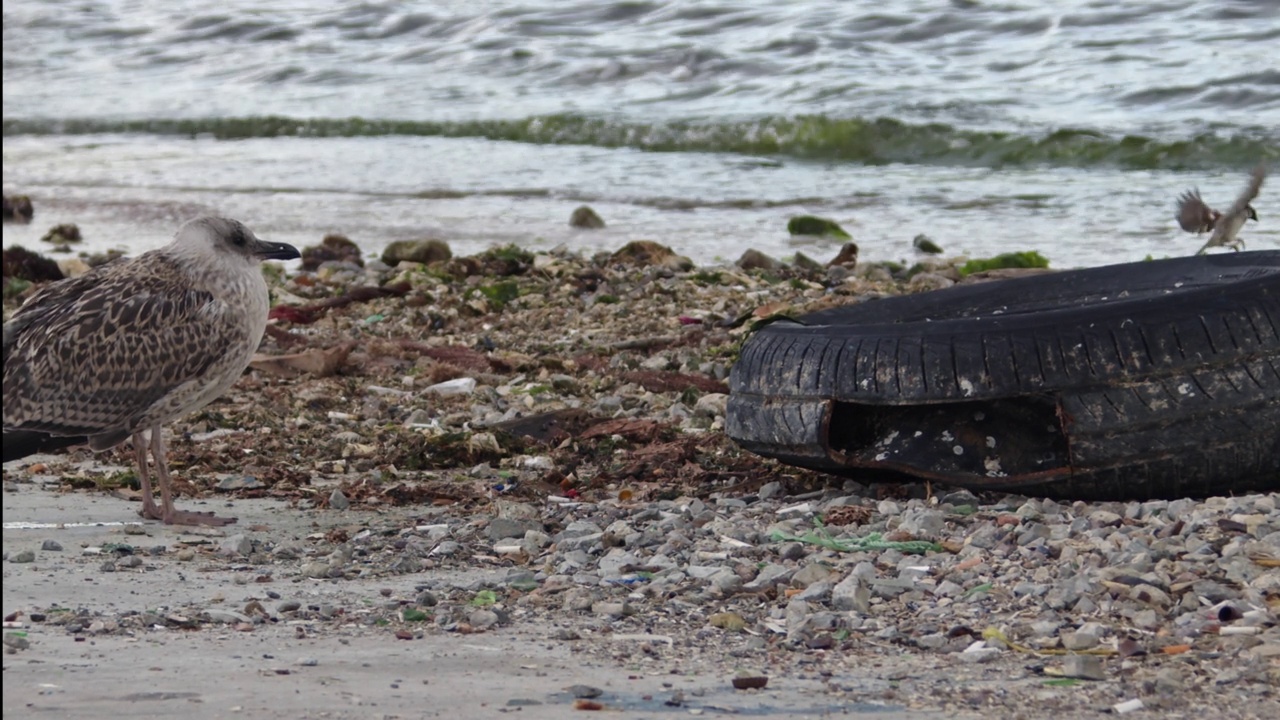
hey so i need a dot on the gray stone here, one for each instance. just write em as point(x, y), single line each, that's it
point(891, 587)
point(768, 576)
point(219, 615)
point(338, 501)
point(817, 592)
point(932, 641)
point(792, 551)
point(1085, 667)
point(711, 405)
point(1077, 640)
point(726, 581)
point(1032, 532)
point(584, 218)
point(851, 594)
point(809, 574)
point(239, 482)
point(579, 542)
point(1104, 518)
point(1147, 620)
point(612, 609)
point(482, 618)
point(755, 260)
point(501, 528)
point(424, 251)
point(238, 545)
point(770, 490)
point(447, 548)
point(922, 523)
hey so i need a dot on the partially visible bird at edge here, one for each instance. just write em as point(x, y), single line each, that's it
point(121, 351)
point(1195, 216)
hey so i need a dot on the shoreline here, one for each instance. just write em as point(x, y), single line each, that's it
point(397, 502)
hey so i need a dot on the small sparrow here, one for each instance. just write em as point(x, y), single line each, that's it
point(1197, 217)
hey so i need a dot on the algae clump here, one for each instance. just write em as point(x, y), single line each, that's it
point(813, 225)
point(1030, 259)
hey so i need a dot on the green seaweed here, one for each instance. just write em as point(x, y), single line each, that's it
point(814, 225)
point(500, 293)
point(1029, 259)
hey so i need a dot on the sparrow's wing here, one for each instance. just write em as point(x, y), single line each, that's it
point(1193, 215)
point(1250, 192)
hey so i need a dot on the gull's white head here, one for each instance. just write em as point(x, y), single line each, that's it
point(225, 241)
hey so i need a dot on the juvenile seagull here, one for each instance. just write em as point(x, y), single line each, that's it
point(120, 351)
point(1197, 217)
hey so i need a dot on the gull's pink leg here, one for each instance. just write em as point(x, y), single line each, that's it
point(170, 515)
point(149, 509)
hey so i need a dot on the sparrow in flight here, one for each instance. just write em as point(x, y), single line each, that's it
point(1197, 217)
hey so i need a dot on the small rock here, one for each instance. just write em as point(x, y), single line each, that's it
point(612, 609)
point(711, 405)
point(755, 260)
point(338, 501)
point(424, 251)
point(810, 574)
point(239, 482)
point(647, 253)
point(922, 523)
point(813, 225)
point(22, 264)
point(501, 528)
point(482, 618)
point(18, 209)
point(925, 245)
point(1078, 640)
point(228, 617)
point(585, 692)
point(927, 281)
point(63, 234)
point(979, 654)
point(51, 545)
point(1085, 667)
point(333, 247)
point(1104, 518)
point(73, 267)
point(23, 556)
point(806, 263)
point(851, 594)
point(583, 217)
point(770, 490)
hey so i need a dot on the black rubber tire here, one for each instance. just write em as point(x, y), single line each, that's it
point(1100, 353)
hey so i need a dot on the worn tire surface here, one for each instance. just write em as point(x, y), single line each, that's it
point(1142, 380)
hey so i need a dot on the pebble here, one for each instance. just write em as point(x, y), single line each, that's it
point(338, 501)
point(1085, 667)
point(238, 545)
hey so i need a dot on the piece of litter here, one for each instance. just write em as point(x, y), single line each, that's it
point(1127, 706)
point(643, 637)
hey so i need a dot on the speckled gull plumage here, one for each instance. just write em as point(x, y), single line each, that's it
point(135, 344)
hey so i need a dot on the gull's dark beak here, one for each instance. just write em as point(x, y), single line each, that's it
point(276, 251)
